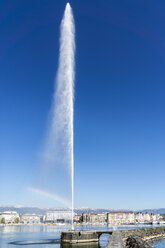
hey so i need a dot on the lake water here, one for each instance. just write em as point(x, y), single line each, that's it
point(34, 235)
point(159, 244)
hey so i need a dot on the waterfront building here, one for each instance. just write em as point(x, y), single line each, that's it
point(120, 218)
point(94, 218)
point(162, 219)
point(146, 218)
point(58, 216)
point(78, 218)
point(139, 217)
point(85, 217)
point(155, 218)
point(30, 219)
point(9, 217)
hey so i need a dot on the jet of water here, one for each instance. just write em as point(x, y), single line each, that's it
point(59, 145)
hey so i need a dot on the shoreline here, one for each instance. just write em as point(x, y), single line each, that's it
point(142, 236)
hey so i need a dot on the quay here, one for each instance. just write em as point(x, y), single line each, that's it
point(73, 237)
point(119, 238)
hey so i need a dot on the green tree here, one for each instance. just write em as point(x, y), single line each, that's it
point(3, 220)
point(16, 220)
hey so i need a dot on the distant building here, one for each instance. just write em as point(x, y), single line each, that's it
point(162, 219)
point(120, 218)
point(9, 217)
point(78, 218)
point(30, 219)
point(155, 218)
point(94, 218)
point(58, 216)
point(145, 218)
point(129, 217)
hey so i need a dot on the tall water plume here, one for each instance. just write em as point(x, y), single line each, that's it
point(59, 145)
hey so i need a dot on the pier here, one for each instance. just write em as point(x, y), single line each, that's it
point(116, 240)
point(73, 237)
point(139, 237)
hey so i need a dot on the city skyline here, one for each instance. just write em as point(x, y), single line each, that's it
point(119, 101)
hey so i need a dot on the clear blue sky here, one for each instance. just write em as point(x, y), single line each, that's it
point(119, 99)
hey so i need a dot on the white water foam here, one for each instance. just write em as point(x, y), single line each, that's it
point(60, 142)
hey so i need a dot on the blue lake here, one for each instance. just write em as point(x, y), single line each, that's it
point(34, 235)
point(159, 244)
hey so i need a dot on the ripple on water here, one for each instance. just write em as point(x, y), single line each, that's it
point(36, 242)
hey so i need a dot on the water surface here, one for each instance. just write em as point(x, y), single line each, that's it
point(33, 236)
point(159, 244)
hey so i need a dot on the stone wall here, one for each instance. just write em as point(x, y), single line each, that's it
point(73, 237)
point(136, 242)
point(145, 233)
point(138, 238)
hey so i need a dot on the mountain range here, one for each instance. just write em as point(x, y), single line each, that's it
point(42, 211)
